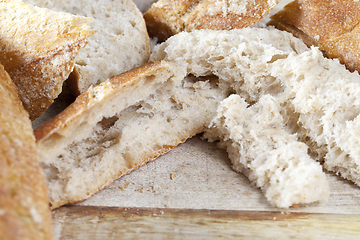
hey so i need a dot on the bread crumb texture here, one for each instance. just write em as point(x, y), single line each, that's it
point(318, 96)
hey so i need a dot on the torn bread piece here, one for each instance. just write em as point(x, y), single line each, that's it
point(24, 204)
point(317, 93)
point(166, 18)
point(121, 42)
point(121, 124)
point(260, 146)
point(38, 50)
point(319, 96)
point(326, 96)
point(331, 25)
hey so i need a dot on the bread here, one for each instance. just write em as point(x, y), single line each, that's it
point(120, 44)
point(24, 206)
point(331, 25)
point(326, 96)
point(38, 49)
point(121, 124)
point(169, 17)
point(319, 97)
point(260, 146)
point(241, 58)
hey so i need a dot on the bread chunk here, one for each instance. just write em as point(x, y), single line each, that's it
point(241, 58)
point(326, 95)
point(121, 124)
point(331, 25)
point(169, 17)
point(38, 50)
point(319, 96)
point(120, 44)
point(24, 204)
point(260, 146)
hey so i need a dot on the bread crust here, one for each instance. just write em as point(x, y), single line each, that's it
point(38, 50)
point(24, 204)
point(331, 25)
point(85, 101)
point(168, 17)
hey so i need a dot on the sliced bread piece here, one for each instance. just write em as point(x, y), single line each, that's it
point(169, 17)
point(120, 44)
point(121, 124)
point(260, 146)
point(38, 50)
point(24, 204)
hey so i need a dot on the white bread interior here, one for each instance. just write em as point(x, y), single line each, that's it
point(319, 97)
point(260, 146)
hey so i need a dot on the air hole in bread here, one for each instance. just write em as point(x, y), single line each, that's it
point(276, 57)
point(106, 123)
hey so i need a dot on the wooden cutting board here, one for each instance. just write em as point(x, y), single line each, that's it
point(192, 193)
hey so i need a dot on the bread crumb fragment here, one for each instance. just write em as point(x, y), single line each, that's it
point(172, 176)
point(122, 188)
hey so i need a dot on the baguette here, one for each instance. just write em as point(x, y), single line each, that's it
point(24, 204)
point(166, 18)
point(38, 50)
point(120, 44)
point(121, 124)
point(333, 26)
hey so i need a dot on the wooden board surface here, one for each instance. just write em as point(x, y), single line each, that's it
point(81, 222)
point(192, 193)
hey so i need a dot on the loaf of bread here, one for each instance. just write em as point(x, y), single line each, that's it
point(24, 204)
point(120, 44)
point(260, 146)
point(121, 124)
point(333, 26)
point(38, 50)
point(169, 17)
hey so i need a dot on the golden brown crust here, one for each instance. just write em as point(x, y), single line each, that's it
point(86, 100)
point(295, 31)
point(38, 50)
point(24, 205)
point(168, 17)
point(333, 24)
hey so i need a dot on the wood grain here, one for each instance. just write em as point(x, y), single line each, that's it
point(86, 222)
